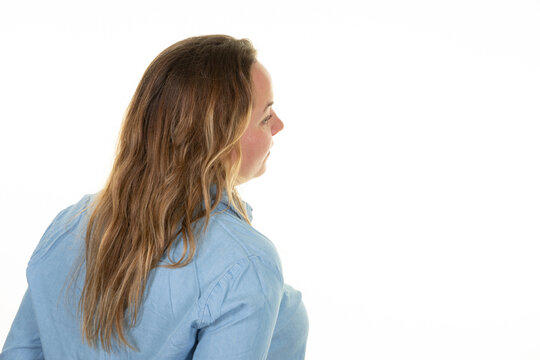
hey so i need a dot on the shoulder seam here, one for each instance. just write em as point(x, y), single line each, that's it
point(211, 292)
point(230, 273)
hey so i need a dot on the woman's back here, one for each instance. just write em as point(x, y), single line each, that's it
point(161, 263)
point(212, 308)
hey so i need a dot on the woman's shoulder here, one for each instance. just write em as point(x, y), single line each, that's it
point(231, 239)
point(65, 222)
point(230, 246)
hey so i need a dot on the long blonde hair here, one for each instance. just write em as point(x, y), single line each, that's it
point(184, 122)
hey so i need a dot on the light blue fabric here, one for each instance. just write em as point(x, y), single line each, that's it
point(230, 302)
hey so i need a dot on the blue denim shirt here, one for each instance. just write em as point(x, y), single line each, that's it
point(230, 302)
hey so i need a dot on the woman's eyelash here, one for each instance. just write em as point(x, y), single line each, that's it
point(266, 119)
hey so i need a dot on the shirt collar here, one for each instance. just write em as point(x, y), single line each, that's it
point(224, 204)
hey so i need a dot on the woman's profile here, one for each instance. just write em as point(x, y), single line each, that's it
point(163, 262)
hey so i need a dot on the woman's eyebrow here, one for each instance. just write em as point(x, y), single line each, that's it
point(267, 106)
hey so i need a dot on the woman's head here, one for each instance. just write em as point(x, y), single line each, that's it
point(190, 109)
point(199, 118)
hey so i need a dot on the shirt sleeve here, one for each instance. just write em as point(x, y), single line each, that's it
point(241, 312)
point(23, 341)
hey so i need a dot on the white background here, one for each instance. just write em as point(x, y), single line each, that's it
point(403, 194)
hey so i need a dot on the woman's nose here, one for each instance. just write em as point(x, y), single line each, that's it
point(278, 125)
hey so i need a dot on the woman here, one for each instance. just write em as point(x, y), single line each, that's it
point(163, 262)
